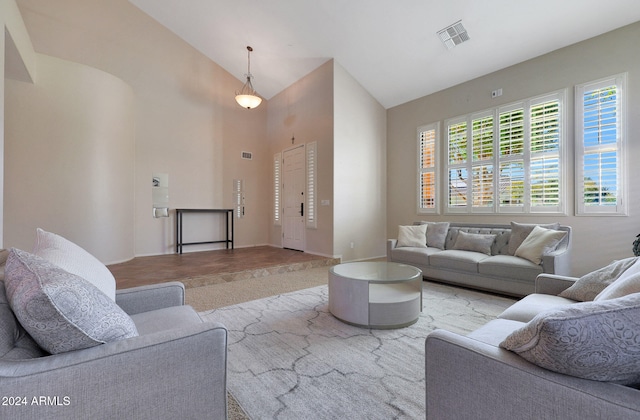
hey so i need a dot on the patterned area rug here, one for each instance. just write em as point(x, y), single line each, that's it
point(289, 358)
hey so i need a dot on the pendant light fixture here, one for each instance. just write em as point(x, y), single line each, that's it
point(248, 97)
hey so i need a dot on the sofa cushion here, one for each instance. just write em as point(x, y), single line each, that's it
point(495, 331)
point(61, 311)
point(72, 258)
point(531, 305)
point(457, 260)
point(508, 266)
point(539, 242)
point(413, 236)
point(173, 317)
point(587, 287)
point(411, 255)
point(591, 340)
point(626, 284)
point(474, 242)
point(520, 231)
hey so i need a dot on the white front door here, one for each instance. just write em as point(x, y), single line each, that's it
point(293, 180)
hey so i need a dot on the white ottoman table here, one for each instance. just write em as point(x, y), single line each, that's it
point(375, 294)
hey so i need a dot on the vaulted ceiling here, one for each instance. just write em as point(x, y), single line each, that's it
point(390, 47)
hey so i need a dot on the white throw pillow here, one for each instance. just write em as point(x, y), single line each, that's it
point(520, 231)
point(72, 258)
point(539, 242)
point(413, 236)
point(626, 284)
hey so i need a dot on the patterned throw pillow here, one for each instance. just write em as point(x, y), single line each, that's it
point(61, 311)
point(591, 340)
point(587, 287)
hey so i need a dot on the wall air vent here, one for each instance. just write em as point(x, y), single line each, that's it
point(247, 155)
point(453, 35)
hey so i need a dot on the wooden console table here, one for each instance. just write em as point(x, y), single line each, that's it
point(229, 224)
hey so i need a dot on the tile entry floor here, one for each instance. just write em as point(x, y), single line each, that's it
point(162, 268)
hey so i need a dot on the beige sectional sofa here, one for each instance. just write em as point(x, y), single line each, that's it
point(483, 256)
point(549, 356)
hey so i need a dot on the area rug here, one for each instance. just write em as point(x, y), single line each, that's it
point(289, 358)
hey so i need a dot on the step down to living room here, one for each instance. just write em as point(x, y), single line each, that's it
point(197, 269)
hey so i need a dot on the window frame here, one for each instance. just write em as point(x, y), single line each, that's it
point(620, 148)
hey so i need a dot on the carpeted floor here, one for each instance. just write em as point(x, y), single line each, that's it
point(226, 294)
point(289, 358)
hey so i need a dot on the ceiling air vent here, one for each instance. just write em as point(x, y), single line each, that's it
point(453, 35)
point(247, 155)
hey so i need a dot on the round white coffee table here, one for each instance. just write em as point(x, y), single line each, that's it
point(375, 294)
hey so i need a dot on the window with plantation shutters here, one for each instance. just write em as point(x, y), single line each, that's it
point(544, 150)
point(508, 159)
point(427, 179)
point(600, 147)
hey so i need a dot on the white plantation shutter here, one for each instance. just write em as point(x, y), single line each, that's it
point(482, 145)
point(427, 182)
point(312, 162)
point(277, 182)
point(544, 149)
point(511, 187)
point(457, 151)
point(600, 147)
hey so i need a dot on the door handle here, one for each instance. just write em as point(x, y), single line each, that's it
point(302, 209)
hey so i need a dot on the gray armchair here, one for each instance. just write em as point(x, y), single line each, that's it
point(175, 368)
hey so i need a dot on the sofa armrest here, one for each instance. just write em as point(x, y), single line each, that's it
point(179, 373)
point(559, 260)
point(553, 284)
point(391, 243)
point(139, 299)
point(468, 379)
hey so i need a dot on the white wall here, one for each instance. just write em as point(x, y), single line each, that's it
point(597, 240)
point(69, 147)
point(360, 177)
point(18, 59)
point(186, 121)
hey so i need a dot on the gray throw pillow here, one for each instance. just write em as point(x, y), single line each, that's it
point(437, 234)
point(587, 287)
point(61, 311)
point(591, 340)
point(477, 242)
point(520, 231)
